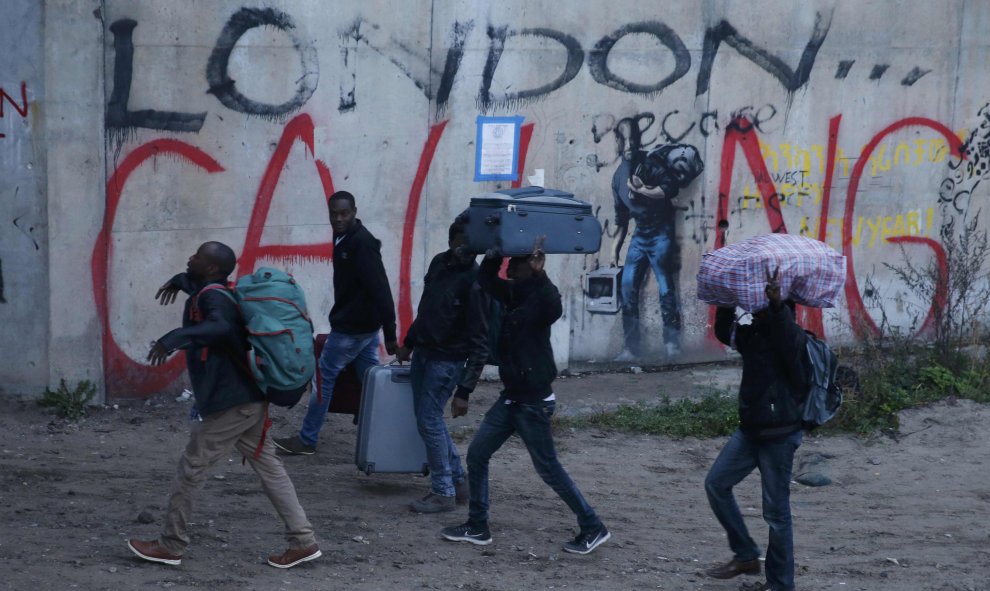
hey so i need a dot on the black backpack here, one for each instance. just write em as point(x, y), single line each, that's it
point(825, 396)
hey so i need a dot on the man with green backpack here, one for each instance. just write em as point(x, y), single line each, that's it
point(231, 404)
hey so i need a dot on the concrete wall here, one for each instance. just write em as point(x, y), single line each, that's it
point(24, 236)
point(168, 124)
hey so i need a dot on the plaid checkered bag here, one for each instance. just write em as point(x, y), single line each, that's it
point(811, 272)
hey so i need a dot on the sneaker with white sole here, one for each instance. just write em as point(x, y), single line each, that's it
point(585, 542)
point(152, 551)
point(432, 503)
point(466, 532)
point(294, 556)
point(293, 446)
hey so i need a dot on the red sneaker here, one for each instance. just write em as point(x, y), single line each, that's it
point(153, 551)
point(292, 557)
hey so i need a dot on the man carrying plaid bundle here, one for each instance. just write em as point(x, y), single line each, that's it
point(775, 381)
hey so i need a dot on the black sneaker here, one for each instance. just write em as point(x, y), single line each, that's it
point(585, 542)
point(293, 446)
point(468, 533)
point(432, 503)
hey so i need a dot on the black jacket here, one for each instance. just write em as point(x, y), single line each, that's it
point(362, 298)
point(525, 356)
point(451, 319)
point(215, 342)
point(776, 374)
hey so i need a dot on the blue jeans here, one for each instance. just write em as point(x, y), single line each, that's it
point(775, 460)
point(655, 252)
point(433, 382)
point(532, 422)
point(339, 350)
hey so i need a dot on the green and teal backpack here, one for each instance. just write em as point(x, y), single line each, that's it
point(279, 332)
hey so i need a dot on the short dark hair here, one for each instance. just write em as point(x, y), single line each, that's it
point(342, 195)
point(458, 228)
point(220, 255)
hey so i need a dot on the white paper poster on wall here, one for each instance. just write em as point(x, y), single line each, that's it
point(497, 155)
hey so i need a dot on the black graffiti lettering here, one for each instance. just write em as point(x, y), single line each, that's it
point(760, 118)
point(455, 53)
point(225, 88)
point(118, 117)
point(498, 37)
point(843, 70)
point(598, 58)
point(741, 120)
point(348, 79)
point(878, 71)
point(791, 79)
point(703, 122)
point(435, 84)
point(629, 133)
point(496, 45)
point(600, 128)
point(670, 137)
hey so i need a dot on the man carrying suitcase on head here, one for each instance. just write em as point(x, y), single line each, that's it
point(362, 306)
point(448, 342)
point(527, 370)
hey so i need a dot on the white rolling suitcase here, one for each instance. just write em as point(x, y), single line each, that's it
point(387, 439)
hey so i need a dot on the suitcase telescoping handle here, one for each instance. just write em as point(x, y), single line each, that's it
point(527, 191)
point(400, 373)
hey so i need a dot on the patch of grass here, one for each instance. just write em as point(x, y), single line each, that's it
point(70, 404)
point(714, 415)
point(906, 377)
point(889, 381)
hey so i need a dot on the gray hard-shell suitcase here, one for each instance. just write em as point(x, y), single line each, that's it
point(512, 219)
point(387, 437)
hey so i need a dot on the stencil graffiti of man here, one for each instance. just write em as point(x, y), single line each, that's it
point(644, 187)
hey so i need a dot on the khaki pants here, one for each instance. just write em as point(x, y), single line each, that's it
point(212, 440)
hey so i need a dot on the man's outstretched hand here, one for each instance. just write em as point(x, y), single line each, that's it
point(158, 354)
point(167, 293)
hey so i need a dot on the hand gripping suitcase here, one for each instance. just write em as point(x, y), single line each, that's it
point(387, 439)
point(512, 219)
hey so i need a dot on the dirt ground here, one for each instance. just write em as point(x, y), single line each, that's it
point(901, 514)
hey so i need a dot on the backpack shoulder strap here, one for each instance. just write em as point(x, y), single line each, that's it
point(194, 312)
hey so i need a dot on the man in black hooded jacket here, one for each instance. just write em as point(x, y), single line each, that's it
point(775, 382)
point(448, 343)
point(527, 370)
point(362, 306)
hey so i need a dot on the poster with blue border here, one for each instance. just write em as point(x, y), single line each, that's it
point(497, 154)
